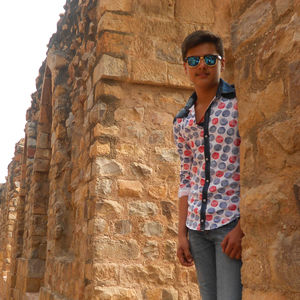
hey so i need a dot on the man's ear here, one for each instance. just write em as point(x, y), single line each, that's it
point(223, 64)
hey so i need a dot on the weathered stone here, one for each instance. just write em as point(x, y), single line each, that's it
point(130, 188)
point(109, 208)
point(170, 250)
point(141, 169)
point(119, 6)
point(106, 248)
point(139, 208)
point(148, 71)
point(111, 68)
point(177, 77)
point(135, 114)
point(169, 294)
point(255, 21)
point(202, 11)
point(282, 6)
point(100, 130)
point(106, 167)
point(151, 250)
point(114, 293)
point(168, 155)
point(106, 273)
point(153, 229)
point(99, 149)
point(123, 227)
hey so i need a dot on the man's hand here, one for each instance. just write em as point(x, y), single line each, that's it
point(183, 252)
point(232, 243)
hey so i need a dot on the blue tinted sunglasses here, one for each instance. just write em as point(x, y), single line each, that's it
point(209, 59)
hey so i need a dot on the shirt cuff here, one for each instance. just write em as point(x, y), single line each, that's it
point(183, 192)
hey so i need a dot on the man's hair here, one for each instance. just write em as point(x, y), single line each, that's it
point(200, 37)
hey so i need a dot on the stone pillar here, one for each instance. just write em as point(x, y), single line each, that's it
point(8, 218)
point(266, 48)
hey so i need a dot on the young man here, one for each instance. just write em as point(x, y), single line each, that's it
point(207, 138)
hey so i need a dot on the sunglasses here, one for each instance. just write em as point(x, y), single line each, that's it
point(209, 59)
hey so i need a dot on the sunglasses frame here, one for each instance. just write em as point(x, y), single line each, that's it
point(216, 56)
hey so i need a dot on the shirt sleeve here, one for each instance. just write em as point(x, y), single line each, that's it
point(186, 159)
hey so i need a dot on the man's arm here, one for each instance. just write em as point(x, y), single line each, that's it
point(183, 247)
point(232, 243)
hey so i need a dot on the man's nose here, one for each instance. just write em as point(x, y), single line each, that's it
point(201, 63)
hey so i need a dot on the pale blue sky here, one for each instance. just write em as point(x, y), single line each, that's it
point(25, 28)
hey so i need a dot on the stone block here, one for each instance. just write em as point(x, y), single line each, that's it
point(153, 229)
point(114, 43)
point(177, 77)
point(271, 99)
point(135, 114)
point(100, 130)
point(285, 260)
point(163, 8)
point(169, 52)
point(123, 227)
point(110, 68)
point(100, 187)
point(270, 153)
point(99, 149)
point(162, 118)
point(142, 47)
point(41, 165)
point(106, 167)
point(282, 6)
point(123, 6)
point(151, 250)
point(202, 11)
point(116, 23)
point(170, 250)
point(169, 294)
point(106, 273)
point(254, 211)
point(141, 169)
point(167, 155)
point(100, 225)
point(159, 191)
point(254, 22)
point(143, 209)
point(109, 209)
point(130, 188)
point(148, 71)
point(116, 250)
point(114, 293)
point(98, 113)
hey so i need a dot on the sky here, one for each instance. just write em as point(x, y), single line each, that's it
point(25, 30)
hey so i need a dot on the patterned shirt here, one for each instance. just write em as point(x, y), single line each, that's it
point(210, 163)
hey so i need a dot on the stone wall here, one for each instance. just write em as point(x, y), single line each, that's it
point(97, 199)
point(265, 44)
point(9, 198)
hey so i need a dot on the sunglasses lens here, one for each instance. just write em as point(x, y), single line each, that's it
point(210, 60)
point(193, 61)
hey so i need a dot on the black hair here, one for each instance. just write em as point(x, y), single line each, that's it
point(200, 37)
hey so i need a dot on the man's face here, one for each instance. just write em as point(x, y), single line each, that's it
point(202, 75)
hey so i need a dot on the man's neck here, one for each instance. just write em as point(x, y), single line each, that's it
point(205, 95)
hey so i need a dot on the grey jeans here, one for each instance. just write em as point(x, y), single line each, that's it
point(219, 276)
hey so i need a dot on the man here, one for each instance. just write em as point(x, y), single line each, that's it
point(207, 138)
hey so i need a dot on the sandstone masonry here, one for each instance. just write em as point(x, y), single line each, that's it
point(89, 208)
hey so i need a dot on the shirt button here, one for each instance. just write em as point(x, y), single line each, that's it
point(202, 221)
point(206, 136)
point(207, 180)
point(204, 200)
point(206, 158)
